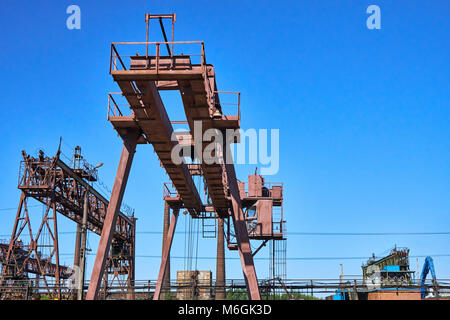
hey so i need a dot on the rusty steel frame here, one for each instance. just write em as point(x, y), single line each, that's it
point(140, 85)
point(15, 264)
point(172, 16)
point(61, 189)
point(199, 94)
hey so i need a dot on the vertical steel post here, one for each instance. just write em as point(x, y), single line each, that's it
point(82, 263)
point(132, 262)
point(147, 20)
point(120, 182)
point(166, 253)
point(171, 51)
point(76, 258)
point(166, 224)
point(220, 263)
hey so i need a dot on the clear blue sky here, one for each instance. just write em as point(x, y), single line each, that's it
point(363, 115)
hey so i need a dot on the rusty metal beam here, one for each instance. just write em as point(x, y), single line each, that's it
point(126, 159)
point(166, 253)
point(56, 247)
point(151, 116)
point(240, 228)
point(166, 224)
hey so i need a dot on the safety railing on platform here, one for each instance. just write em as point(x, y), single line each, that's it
point(234, 288)
point(113, 106)
point(270, 189)
point(172, 60)
point(27, 175)
point(229, 100)
point(169, 190)
point(117, 60)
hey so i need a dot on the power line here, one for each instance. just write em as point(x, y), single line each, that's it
point(15, 208)
point(287, 258)
point(366, 233)
point(300, 233)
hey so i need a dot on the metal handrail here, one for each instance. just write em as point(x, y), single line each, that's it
point(238, 104)
point(116, 106)
point(167, 192)
point(115, 55)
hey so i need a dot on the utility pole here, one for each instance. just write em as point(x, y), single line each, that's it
point(418, 271)
point(83, 247)
point(76, 259)
point(220, 263)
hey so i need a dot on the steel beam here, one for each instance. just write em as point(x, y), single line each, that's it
point(240, 228)
point(166, 253)
point(166, 279)
point(76, 258)
point(128, 150)
point(56, 247)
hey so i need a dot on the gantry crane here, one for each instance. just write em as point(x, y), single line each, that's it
point(141, 77)
point(68, 191)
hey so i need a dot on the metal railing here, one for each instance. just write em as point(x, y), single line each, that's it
point(159, 62)
point(113, 106)
point(268, 185)
point(169, 190)
point(236, 95)
point(269, 288)
point(117, 62)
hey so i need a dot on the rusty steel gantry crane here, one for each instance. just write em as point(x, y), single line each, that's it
point(66, 190)
point(141, 77)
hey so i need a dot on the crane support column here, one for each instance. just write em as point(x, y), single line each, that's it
point(240, 228)
point(166, 253)
point(166, 279)
point(128, 150)
point(220, 263)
